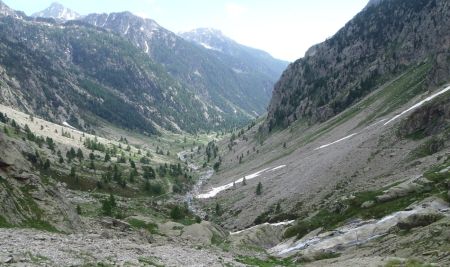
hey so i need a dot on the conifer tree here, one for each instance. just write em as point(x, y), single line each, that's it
point(259, 189)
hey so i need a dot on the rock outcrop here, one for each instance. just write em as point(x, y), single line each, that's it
point(378, 44)
point(427, 120)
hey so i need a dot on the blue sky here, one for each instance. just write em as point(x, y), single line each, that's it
point(284, 28)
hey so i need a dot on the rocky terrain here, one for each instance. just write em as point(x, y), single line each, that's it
point(107, 247)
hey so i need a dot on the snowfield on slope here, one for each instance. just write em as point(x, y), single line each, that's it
point(415, 106)
point(216, 190)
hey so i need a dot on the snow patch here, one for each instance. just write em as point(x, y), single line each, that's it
point(272, 224)
point(335, 142)
point(196, 72)
point(418, 104)
point(68, 125)
point(126, 31)
point(277, 168)
point(238, 71)
point(106, 20)
point(283, 223)
point(216, 190)
point(207, 46)
point(146, 47)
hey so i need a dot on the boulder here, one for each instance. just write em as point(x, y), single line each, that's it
point(367, 204)
point(123, 226)
point(203, 233)
point(423, 218)
point(263, 235)
point(403, 189)
point(170, 229)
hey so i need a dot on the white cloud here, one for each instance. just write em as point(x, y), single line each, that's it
point(148, 9)
point(142, 15)
point(234, 9)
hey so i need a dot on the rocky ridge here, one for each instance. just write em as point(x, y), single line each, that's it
point(380, 42)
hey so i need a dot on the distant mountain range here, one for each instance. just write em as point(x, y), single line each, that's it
point(243, 59)
point(154, 76)
point(239, 84)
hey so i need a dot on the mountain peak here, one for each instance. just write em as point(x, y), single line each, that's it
point(211, 31)
point(7, 11)
point(205, 33)
point(57, 11)
point(209, 38)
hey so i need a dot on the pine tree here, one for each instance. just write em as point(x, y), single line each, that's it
point(109, 205)
point(80, 155)
point(278, 208)
point(92, 165)
point(46, 164)
point(259, 189)
point(73, 174)
point(244, 181)
point(218, 209)
point(79, 210)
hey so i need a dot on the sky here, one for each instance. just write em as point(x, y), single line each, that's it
point(284, 28)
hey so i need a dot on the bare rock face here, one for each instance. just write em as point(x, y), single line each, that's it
point(379, 43)
point(263, 235)
point(427, 120)
point(418, 220)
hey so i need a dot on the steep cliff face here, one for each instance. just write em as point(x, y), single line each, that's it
point(381, 42)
